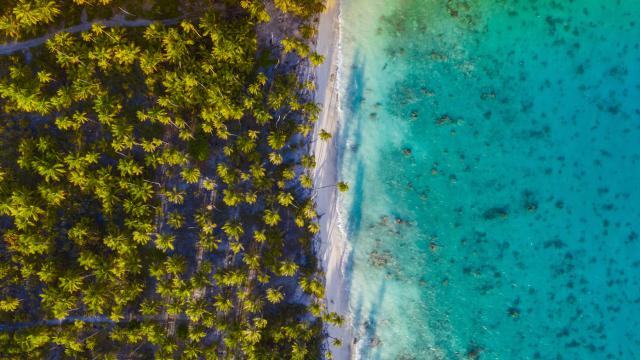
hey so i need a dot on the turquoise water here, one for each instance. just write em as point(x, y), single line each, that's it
point(493, 154)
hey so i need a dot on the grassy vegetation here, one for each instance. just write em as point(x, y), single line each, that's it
point(154, 185)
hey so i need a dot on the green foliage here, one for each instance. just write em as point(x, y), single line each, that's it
point(274, 296)
point(126, 146)
point(316, 59)
point(175, 220)
point(26, 15)
point(165, 242)
point(342, 186)
point(324, 135)
point(304, 8)
point(292, 44)
point(9, 304)
point(190, 175)
point(198, 147)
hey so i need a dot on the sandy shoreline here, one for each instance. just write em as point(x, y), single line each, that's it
point(333, 248)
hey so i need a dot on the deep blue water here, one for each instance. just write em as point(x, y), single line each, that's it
point(493, 154)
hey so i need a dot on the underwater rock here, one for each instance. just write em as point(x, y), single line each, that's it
point(474, 352)
point(452, 11)
point(496, 212)
point(434, 168)
point(513, 312)
point(433, 246)
point(375, 341)
point(444, 119)
point(488, 95)
point(380, 259)
point(529, 202)
point(438, 56)
point(405, 357)
point(427, 91)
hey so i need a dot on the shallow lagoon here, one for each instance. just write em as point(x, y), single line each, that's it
point(492, 148)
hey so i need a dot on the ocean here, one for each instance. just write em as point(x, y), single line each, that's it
point(492, 150)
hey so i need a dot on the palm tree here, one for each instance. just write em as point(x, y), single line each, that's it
point(271, 217)
point(223, 304)
point(275, 158)
point(175, 196)
point(277, 140)
point(50, 172)
point(306, 181)
point(190, 175)
point(324, 135)
point(308, 161)
point(128, 167)
point(285, 199)
point(274, 296)
point(71, 283)
point(259, 236)
point(342, 186)
point(52, 195)
point(288, 268)
point(9, 304)
point(96, 299)
point(175, 264)
point(231, 197)
point(175, 45)
point(30, 13)
point(233, 229)
point(164, 242)
point(196, 310)
point(175, 220)
point(60, 304)
point(316, 59)
point(191, 351)
point(313, 228)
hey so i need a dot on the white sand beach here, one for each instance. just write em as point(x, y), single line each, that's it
point(333, 248)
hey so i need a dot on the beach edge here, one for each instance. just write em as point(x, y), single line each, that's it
point(332, 248)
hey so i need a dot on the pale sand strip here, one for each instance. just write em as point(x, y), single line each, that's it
point(333, 248)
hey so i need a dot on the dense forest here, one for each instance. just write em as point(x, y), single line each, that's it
point(155, 191)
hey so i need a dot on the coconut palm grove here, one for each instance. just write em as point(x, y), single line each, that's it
point(156, 198)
